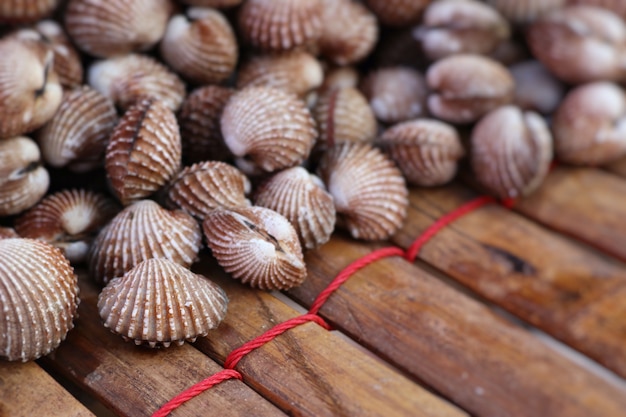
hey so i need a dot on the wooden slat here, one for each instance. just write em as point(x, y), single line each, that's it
point(309, 371)
point(543, 278)
point(586, 203)
point(26, 390)
point(452, 342)
point(136, 381)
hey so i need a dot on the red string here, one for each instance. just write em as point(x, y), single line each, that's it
point(236, 355)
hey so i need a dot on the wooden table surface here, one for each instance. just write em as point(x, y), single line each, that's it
point(506, 312)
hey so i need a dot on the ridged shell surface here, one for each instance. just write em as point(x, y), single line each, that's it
point(142, 231)
point(78, 133)
point(296, 72)
point(280, 25)
point(206, 186)
point(129, 78)
point(257, 246)
point(398, 12)
point(116, 27)
point(159, 302)
point(525, 11)
point(268, 128)
point(30, 92)
point(303, 200)
point(200, 46)
point(213, 3)
point(22, 11)
point(39, 298)
point(426, 150)
point(199, 120)
point(511, 152)
point(68, 220)
point(23, 180)
point(67, 61)
point(349, 33)
point(370, 194)
point(144, 151)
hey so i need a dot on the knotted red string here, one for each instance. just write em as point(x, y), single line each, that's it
point(236, 355)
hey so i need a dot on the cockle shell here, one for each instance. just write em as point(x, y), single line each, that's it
point(159, 302)
point(22, 11)
point(590, 124)
point(511, 152)
point(199, 120)
point(205, 186)
point(464, 87)
point(200, 45)
point(395, 94)
point(344, 115)
point(371, 197)
point(257, 246)
point(340, 77)
point(580, 44)
point(67, 61)
point(535, 87)
point(426, 150)
point(218, 4)
point(128, 78)
point(616, 6)
point(116, 27)
point(30, 92)
point(39, 298)
point(398, 12)
point(267, 129)
point(525, 11)
point(142, 231)
point(302, 199)
point(7, 233)
point(68, 220)
point(296, 72)
point(23, 180)
point(349, 32)
point(78, 133)
point(144, 151)
point(280, 25)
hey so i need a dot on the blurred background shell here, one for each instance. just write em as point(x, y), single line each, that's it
point(7, 233)
point(398, 12)
point(536, 88)
point(142, 231)
point(370, 194)
point(159, 302)
point(257, 246)
point(144, 151)
point(39, 298)
point(616, 6)
point(68, 220)
point(213, 3)
point(525, 11)
point(24, 11)
point(303, 200)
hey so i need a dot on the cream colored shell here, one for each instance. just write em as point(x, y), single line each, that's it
point(22, 11)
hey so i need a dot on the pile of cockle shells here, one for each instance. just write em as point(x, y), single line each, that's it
point(256, 127)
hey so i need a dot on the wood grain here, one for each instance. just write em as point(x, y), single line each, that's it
point(572, 293)
point(26, 390)
point(136, 381)
point(309, 371)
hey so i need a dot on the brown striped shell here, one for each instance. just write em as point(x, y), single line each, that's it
point(205, 186)
point(7, 233)
point(616, 6)
point(398, 12)
point(158, 302)
point(199, 120)
point(296, 72)
point(67, 61)
point(349, 32)
point(218, 4)
point(30, 92)
point(511, 152)
point(395, 94)
point(142, 231)
point(426, 150)
point(464, 87)
point(68, 220)
point(257, 246)
point(340, 77)
point(128, 78)
point(371, 197)
point(22, 11)
point(116, 27)
point(343, 115)
point(525, 11)
point(589, 125)
point(78, 133)
point(280, 25)
point(200, 45)
point(267, 129)
point(39, 298)
point(302, 199)
point(144, 151)
point(536, 88)
point(23, 180)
